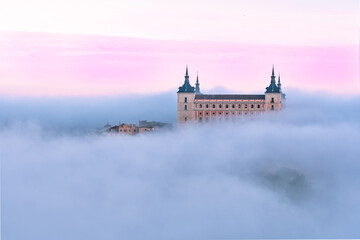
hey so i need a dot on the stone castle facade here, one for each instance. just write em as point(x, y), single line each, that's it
point(193, 106)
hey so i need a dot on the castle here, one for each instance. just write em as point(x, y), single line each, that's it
point(193, 106)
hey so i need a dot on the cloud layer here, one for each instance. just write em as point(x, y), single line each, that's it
point(287, 175)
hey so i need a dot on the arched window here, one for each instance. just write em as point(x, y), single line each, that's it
point(227, 106)
point(185, 99)
point(200, 113)
point(272, 107)
point(258, 105)
point(213, 105)
point(239, 105)
point(200, 105)
point(252, 105)
point(220, 106)
point(233, 106)
point(245, 105)
point(185, 107)
point(207, 105)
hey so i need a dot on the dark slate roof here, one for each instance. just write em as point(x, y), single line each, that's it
point(273, 88)
point(186, 87)
point(229, 97)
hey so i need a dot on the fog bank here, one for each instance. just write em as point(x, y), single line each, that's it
point(288, 175)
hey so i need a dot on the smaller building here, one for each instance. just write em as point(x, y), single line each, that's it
point(126, 129)
point(132, 129)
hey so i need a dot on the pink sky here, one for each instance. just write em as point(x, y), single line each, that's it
point(115, 47)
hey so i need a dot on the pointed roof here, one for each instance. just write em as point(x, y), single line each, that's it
point(197, 85)
point(273, 88)
point(279, 83)
point(186, 87)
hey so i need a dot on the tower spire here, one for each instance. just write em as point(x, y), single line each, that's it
point(187, 72)
point(273, 76)
point(279, 83)
point(197, 85)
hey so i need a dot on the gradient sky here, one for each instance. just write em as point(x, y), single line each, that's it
point(314, 44)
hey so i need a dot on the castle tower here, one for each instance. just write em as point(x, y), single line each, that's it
point(273, 94)
point(185, 100)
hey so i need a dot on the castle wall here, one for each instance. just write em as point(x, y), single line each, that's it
point(207, 110)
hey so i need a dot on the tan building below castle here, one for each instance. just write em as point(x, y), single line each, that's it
point(132, 129)
point(193, 106)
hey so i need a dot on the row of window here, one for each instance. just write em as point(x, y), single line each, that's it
point(185, 100)
point(252, 106)
point(125, 130)
point(227, 106)
point(226, 113)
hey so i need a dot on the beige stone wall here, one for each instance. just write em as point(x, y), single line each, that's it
point(145, 129)
point(203, 110)
point(207, 110)
point(128, 129)
point(185, 107)
point(273, 101)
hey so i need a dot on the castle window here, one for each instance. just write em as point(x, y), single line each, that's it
point(213, 113)
point(258, 105)
point(272, 100)
point(185, 107)
point(233, 106)
point(252, 105)
point(233, 113)
point(213, 105)
point(272, 107)
point(207, 113)
point(227, 113)
point(207, 105)
point(200, 113)
point(220, 106)
point(185, 119)
point(239, 105)
point(227, 106)
point(186, 99)
point(245, 105)
point(220, 113)
point(200, 105)
point(134, 130)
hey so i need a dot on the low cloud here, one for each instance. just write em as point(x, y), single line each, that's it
point(293, 174)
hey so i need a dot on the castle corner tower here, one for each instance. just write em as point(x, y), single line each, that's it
point(273, 95)
point(185, 100)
